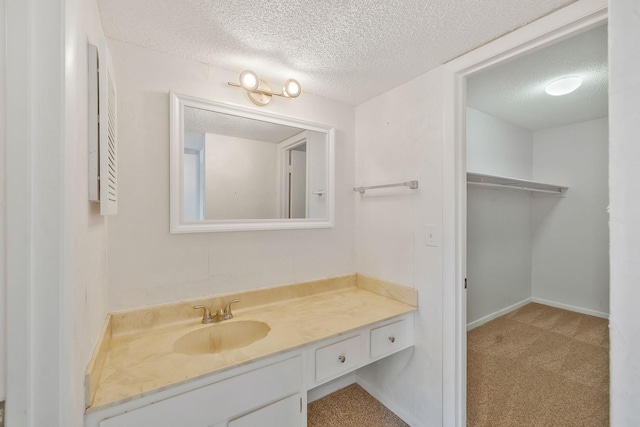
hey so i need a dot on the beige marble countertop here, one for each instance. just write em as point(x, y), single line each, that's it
point(136, 361)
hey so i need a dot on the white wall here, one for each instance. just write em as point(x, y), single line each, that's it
point(85, 299)
point(624, 187)
point(317, 174)
point(571, 235)
point(193, 175)
point(549, 248)
point(498, 221)
point(191, 192)
point(243, 173)
point(399, 138)
point(55, 264)
point(498, 250)
point(298, 183)
point(147, 265)
point(496, 147)
point(3, 278)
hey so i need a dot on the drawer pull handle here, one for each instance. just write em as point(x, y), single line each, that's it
point(341, 358)
point(392, 339)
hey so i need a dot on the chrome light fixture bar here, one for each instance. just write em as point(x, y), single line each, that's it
point(260, 93)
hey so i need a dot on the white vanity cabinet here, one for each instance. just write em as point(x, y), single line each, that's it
point(270, 392)
point(340, 355)
point(257, 391)
point(391, 337)
point(286, 412)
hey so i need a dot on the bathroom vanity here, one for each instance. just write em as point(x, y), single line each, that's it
point(148, 368)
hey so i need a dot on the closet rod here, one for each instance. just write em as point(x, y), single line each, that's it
point(411, 184)
point(516, 187)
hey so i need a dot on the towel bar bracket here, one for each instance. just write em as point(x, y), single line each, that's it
point(411, 184)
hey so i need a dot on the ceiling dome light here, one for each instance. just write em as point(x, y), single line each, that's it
point(563, 85)
point(249, 80)
point(292, 88)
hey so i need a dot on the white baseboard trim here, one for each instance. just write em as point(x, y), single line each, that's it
point(377, 394)
point(571, 308)
point(498, 313)
point(328, 388)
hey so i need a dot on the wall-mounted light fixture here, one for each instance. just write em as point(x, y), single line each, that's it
point(260, 92)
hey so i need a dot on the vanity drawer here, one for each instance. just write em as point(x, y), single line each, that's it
point(339, 357)
point(389, 338)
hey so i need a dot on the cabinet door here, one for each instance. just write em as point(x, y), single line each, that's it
point(284, 413)
point(218, 402)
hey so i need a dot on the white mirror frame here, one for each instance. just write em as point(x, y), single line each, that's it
point(176, 143)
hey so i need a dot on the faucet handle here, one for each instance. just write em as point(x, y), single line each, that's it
point(227, 309)
point(206, 315)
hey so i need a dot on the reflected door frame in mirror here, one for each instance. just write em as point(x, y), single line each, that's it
point(324, 192)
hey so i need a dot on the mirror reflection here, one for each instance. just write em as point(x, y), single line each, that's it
point(235, 169)
point(241, 168)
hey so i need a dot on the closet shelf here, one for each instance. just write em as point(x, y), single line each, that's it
point(513, 183)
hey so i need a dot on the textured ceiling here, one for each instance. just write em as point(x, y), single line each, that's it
point(200, 121)
point(514, 91)
point(345, 50)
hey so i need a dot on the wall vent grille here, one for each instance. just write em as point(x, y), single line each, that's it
point(103, 130)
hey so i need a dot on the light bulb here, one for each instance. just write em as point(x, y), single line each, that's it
point(292, 88)
point(249, 80)
point(563, 85)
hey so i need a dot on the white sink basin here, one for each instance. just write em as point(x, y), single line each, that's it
point(221, 337)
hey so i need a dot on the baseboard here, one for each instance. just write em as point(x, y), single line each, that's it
point(571, 308)
point(380, 397)
point(498, 313)
point(328, 388)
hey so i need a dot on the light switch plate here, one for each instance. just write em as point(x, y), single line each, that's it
point(433, 238)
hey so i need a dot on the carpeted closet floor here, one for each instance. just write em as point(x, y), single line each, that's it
point(538, 366)
point(351, 406)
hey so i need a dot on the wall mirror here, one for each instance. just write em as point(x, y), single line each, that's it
point(235, 169)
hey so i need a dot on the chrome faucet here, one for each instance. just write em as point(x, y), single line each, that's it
point(220, 315)
point(206, 315)
point(227, 310)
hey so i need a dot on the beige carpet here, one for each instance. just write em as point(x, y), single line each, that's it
point(538, 366)
point(351, 407)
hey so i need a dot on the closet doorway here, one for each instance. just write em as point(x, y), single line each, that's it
point(537, 256)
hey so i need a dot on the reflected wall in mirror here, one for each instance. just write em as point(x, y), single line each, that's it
point(237, 169)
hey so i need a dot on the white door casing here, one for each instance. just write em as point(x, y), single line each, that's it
point(577, 17)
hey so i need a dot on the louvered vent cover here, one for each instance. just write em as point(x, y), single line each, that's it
point(103, 155)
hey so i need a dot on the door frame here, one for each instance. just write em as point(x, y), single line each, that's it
point(562, 24)
point(284, 148)
point(292, 168)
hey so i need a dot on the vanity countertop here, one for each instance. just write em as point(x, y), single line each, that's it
point(135, 355)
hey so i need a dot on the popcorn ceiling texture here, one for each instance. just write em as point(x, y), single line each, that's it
point(204, 121)
point(349, 51)
point(514, 91)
